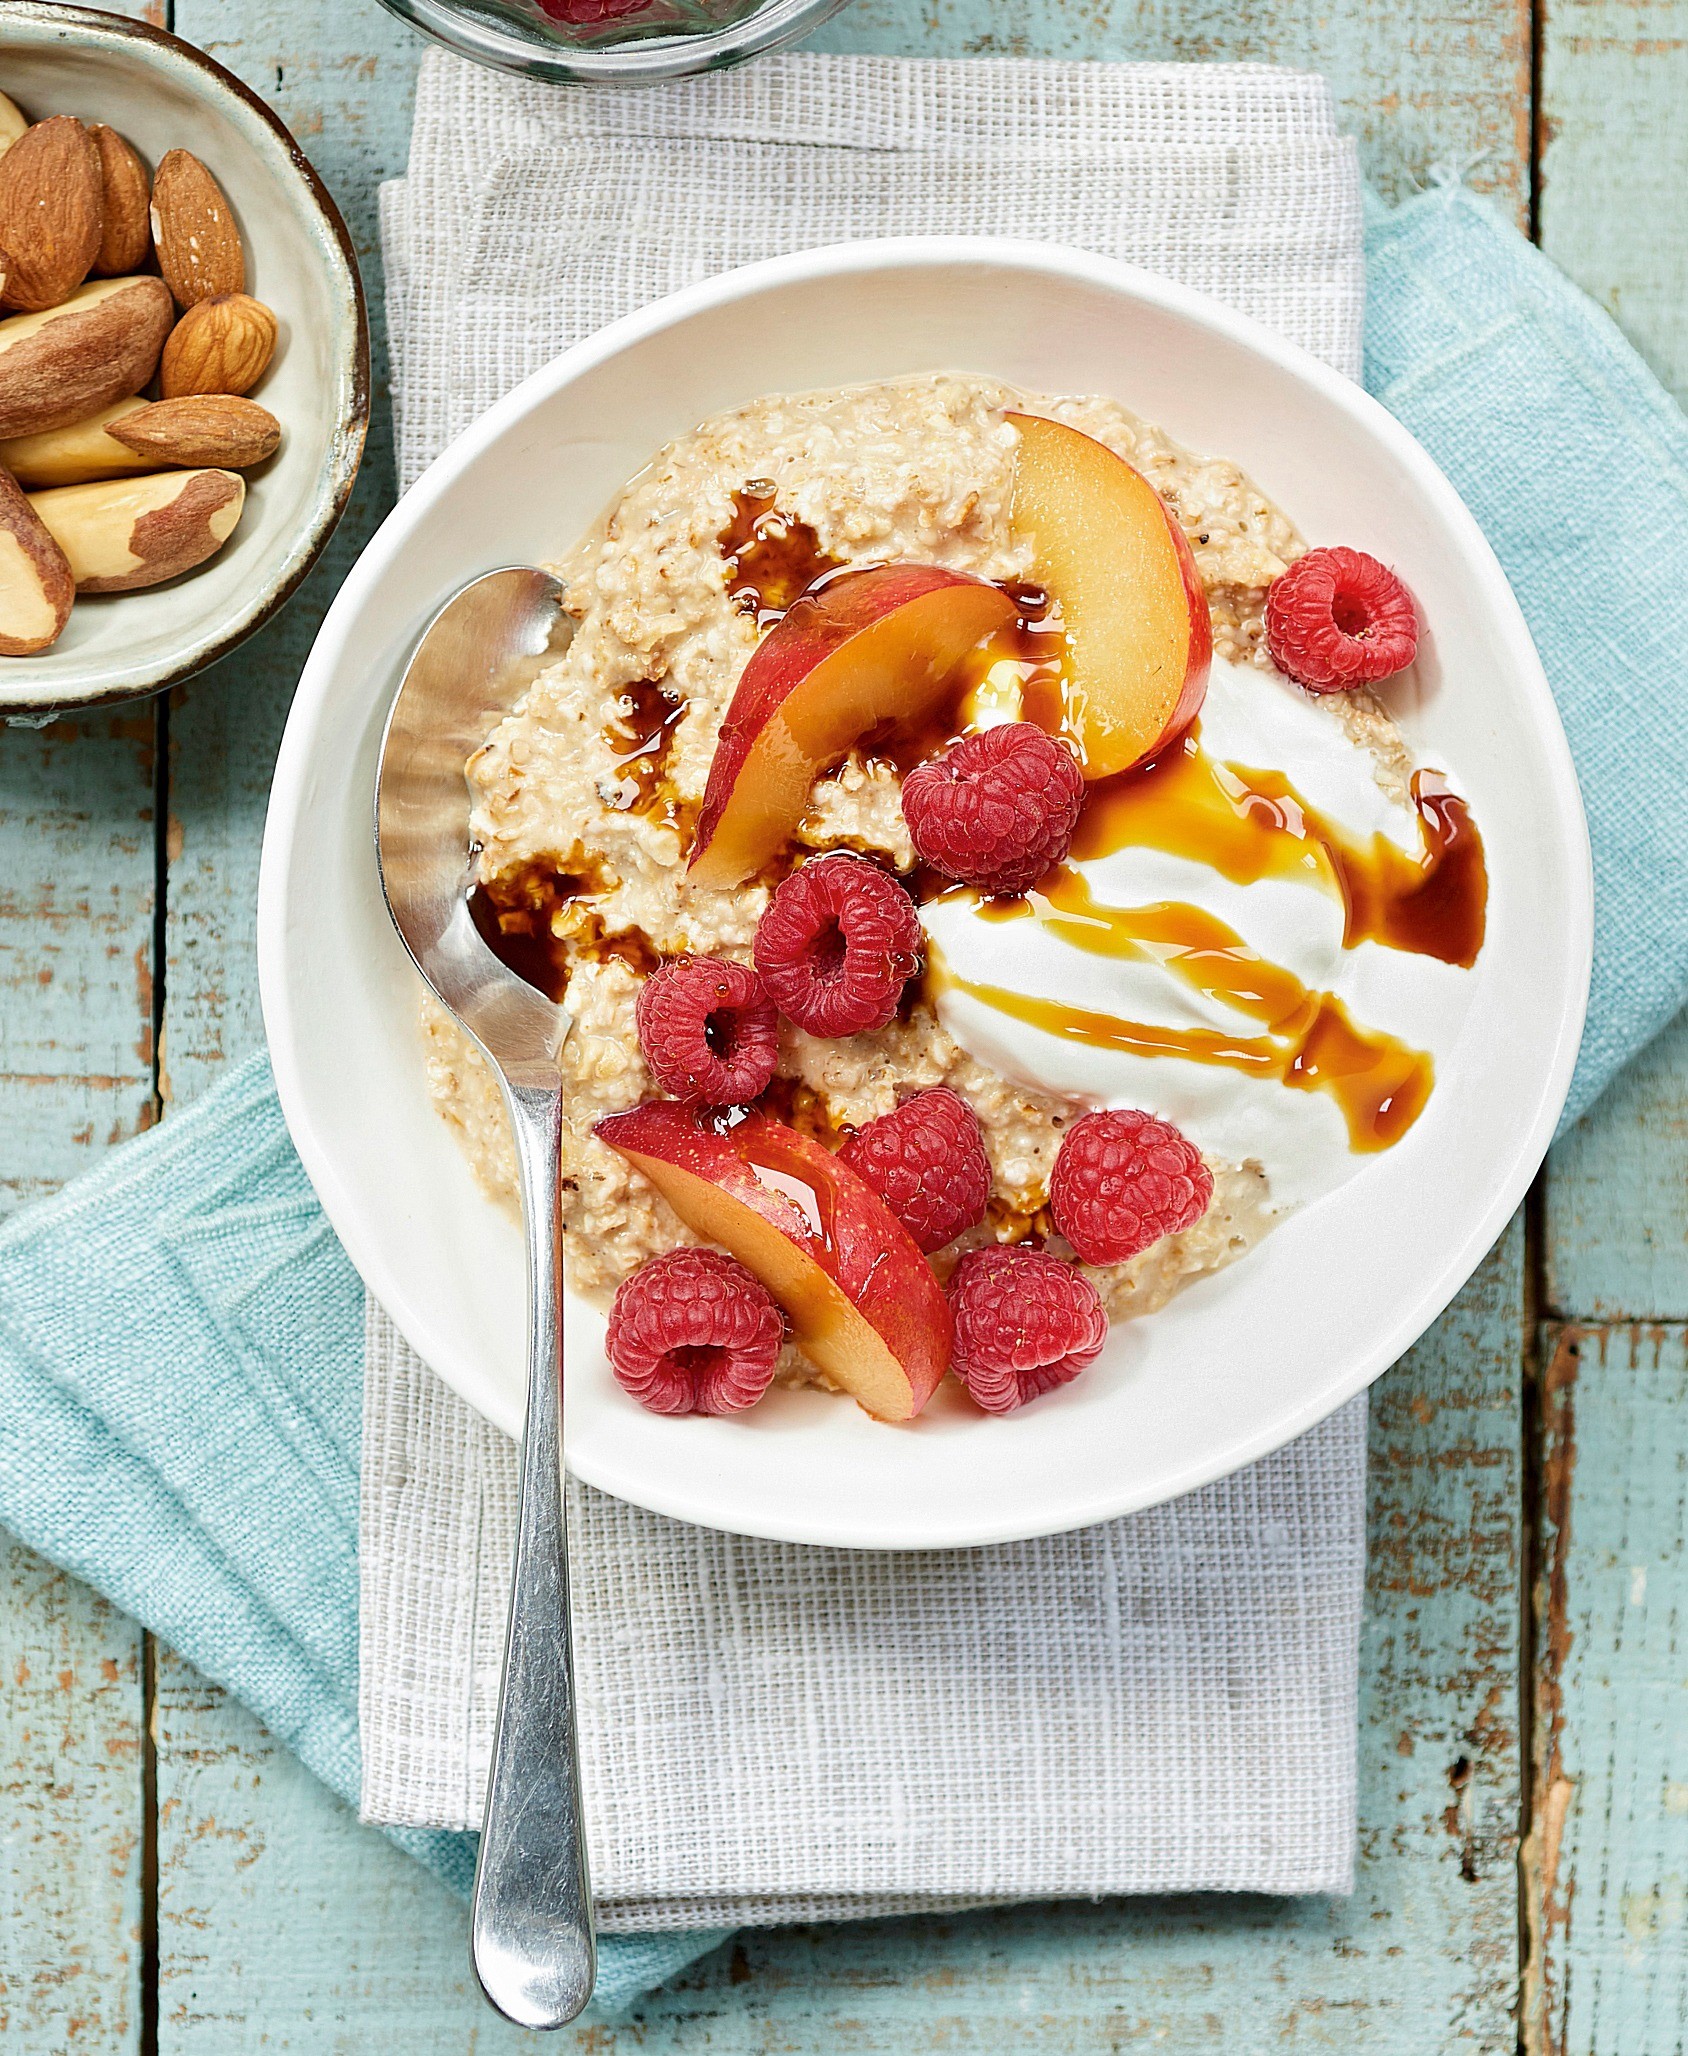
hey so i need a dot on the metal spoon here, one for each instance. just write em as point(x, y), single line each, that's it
point(531, 1924)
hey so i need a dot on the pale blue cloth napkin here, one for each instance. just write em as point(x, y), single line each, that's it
point(181, 1337)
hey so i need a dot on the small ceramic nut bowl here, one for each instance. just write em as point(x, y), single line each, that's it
point(161, 94)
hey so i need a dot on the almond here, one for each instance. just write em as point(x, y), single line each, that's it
point(126, 237)
point(36, 585)
point(13, 122)
point(199, 428)
point(51, 210)
point(199, 247)
point(64, 364)
point(128, 533)
point(221, 345)
point(74, 455)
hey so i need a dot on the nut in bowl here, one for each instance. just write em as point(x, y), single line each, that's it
point(183, 360)
point(1105, 1044)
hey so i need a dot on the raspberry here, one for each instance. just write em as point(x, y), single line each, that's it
point(837, 944)
point(1122, 1181)
point(694, 1332)
point(927, 1162)
point(708, 1030)
point(995, 809)
point(1025, 1322)
point(1338, 618)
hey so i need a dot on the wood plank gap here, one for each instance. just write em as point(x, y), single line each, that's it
point(149, 1849)
point(1538, 45)
point(1547, 1542)
point(1611, 1975)
point(160, 898)
point(1530, 1417)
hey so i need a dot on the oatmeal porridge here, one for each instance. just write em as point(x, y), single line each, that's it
point(827, 626)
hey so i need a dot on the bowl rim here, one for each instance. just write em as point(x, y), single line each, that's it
point(294, 775)
point(90, 24)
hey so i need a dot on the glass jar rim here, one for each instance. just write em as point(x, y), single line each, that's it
point(639, 61)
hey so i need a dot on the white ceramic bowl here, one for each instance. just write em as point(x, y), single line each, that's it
point(163, 94)
point(1236, 1365)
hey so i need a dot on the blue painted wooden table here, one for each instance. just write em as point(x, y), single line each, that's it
point(170, 1880)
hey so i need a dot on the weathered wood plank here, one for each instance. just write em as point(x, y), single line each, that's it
point(284, 1925)
point(1617, 1197)
point(1615, 164)
point(71, 1819)
point(76, 934)
point(1607, 1871)
point(1607, 1876)
point(76, 918)
point(76, 923)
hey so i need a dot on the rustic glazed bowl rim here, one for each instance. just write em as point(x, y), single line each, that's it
point(85, 25)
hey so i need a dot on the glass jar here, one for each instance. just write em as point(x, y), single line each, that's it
point(613, 42)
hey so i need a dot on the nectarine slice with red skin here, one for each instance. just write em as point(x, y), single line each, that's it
point(867, 651)
point(1109, 550)
point(863, 1302)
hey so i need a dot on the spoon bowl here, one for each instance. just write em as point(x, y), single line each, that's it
point(477, 657)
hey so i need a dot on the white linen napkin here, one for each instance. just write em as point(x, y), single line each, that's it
point(769, 1732)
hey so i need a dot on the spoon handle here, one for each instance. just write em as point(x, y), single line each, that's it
point(531, 1923)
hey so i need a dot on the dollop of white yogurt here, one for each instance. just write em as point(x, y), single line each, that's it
point(1299, 1138)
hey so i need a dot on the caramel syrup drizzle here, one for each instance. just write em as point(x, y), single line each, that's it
point(639, 740)
point(516, 917)
point(1312, 1044)
point(772, 558)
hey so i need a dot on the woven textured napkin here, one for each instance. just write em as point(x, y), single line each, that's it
point(770, 1732)
point(530, 218)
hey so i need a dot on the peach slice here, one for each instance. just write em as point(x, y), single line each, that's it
point(1110, 551)
point(869, 650)
point(863, 1302)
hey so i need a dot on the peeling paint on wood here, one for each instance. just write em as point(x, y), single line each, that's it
point(1617, 1200)
point(70, 1815)
point(76, 915)
point(1606, 1876)
point(1615, 166)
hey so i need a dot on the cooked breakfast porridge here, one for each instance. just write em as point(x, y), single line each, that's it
point(851, 625)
